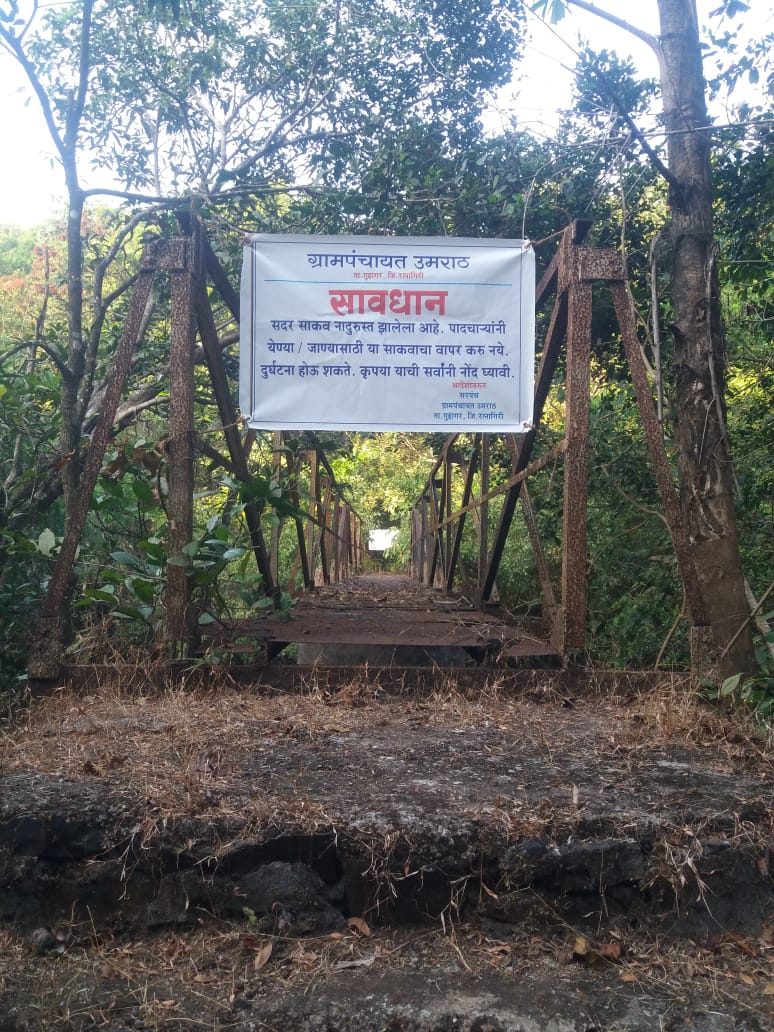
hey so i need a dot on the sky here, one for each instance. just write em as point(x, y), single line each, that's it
point(31, 181)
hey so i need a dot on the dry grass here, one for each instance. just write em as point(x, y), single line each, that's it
point(209, 978)
point(180, 748)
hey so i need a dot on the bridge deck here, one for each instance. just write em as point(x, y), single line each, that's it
point(384, 610)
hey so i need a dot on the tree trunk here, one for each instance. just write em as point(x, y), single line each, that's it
point(704, 463)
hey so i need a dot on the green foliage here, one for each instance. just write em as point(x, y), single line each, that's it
point(25, 565)
point(226, 93)
point(754, 693)
point(552, 10)
point(133, 586)
point(383, 474)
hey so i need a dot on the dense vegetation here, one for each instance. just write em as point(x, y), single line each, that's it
point(358, 119)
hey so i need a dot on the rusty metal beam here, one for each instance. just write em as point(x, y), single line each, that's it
point(425, 540)
point(180, 620)
point(547, 590)
point(210, 263)
point(548, 363)
point(466, 493)
point(438, 515)
point(323, 514)
point(230, 423)
point(336, 542)
point(302, 556)
point(576, 232)
point(549, 359)
point(314, 490)
point(516, 480)
point(576, 470)
point(448, 571)
point(447, 444)
point(357, 528)
point(276, 529)
point(483, 525)
point(418, 550)
point(49, 638)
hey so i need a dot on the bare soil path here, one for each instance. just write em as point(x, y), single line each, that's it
point(351, 859)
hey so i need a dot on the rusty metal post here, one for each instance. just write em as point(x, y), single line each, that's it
point(419, 545)
point(547, 590)
point(428, 545)
point(335, 538)
point(570, 624)
point(180, 626)
point(52, 627)
point(324, 516)
point(311, 542)
point(276, 530)
point(357, 537)
point(552, 279)
point(483, 526)
point(436, 488)
point(467, 491)
point(448, 568)
point(346, 540)
point(302, 554)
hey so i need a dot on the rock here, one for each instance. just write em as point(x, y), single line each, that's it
point(294, 894)
point(42, 942)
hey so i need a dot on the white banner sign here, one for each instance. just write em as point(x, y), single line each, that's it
point(387, 333)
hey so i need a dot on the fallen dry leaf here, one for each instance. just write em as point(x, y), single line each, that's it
point(769, 989)
point(629, 977)
point(610, 950)
point(357, 924)
point(262, 956)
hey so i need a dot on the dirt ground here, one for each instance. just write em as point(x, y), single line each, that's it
point(347, 858)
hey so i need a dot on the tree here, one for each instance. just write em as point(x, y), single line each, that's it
point(701, 438)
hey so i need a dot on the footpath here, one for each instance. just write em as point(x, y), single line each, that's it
point(348, 858)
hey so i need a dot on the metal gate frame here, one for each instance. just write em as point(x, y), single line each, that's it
point(437, 530)
point(334, 544)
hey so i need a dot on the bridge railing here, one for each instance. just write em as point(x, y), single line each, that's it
point(329, 532)
point(441, 512)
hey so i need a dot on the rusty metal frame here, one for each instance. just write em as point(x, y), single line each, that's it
point(189, 261)
point(330, 545)
point(569, 278)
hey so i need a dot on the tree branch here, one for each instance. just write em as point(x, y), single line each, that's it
point(13, 44)
point(607, 87)
point(75, 110)
point(58, 361)
point(651, 41)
